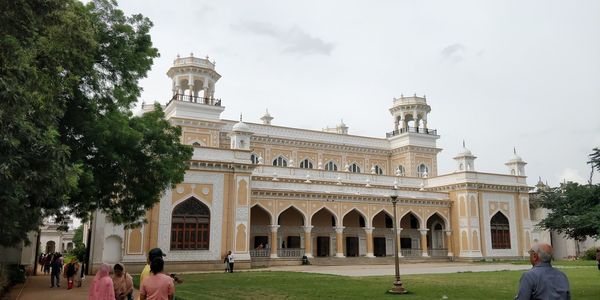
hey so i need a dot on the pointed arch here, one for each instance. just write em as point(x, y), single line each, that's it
point(419, 219)
point(441, 216)
point(354, 167)
point(259, 206)
point(280, 161)
point(500, 231)
point(190, 225)
point(293, 208)
point(386, 216)
point(306, 163)
point(331, 166)
point(327, 209)
point(254, 158)
point(360, 215)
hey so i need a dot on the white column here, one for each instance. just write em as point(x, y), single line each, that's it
point(339, 239)
point(449, 243)
point(274, 243)
point(424, 241)
point(399, 244)
point(308, 241)
point(369, 234)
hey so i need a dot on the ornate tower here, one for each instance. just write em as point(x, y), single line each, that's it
point(414, 151)
point(465, 160)
point(516, 165)
point(240, 136)
point(193, 86)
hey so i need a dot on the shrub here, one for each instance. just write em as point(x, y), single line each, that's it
point(16, 274)
point(590, 254)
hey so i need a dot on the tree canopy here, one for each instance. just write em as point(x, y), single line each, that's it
point(574, 209)
point(69, 144)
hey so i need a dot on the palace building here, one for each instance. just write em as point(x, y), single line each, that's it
point(272, 194)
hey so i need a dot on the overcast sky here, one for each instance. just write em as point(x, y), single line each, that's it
point(498, 74)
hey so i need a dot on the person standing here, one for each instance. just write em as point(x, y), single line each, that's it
point(543, 281)
point(152, 254)
point(47, 262)
point(231, 261)
point(157, 286)
point(102, 285)
point(70, 271)
point(123, 283)
point(55, 270)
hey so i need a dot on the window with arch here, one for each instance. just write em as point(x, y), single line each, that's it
point(354, 168)
point(400, 171)
point(306, 164)
point(331, 166)
point(422, 170)
point(500, 231)
point(378, 170)
point(254, 158)
point(190, 226)
point(280, 161)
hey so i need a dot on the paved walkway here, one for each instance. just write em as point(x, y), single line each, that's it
point(38, 288)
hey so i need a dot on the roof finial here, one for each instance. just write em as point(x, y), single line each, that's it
point(240, 117)
point(192, 54)
point(515, 150)
point(464, 144)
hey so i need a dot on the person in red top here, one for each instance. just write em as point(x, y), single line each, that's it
point(158, 286)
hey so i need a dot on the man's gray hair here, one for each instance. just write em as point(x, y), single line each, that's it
point(545, 253)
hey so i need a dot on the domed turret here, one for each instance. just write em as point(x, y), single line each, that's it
point(465, 160)
point(516, 165)
point(240, 135)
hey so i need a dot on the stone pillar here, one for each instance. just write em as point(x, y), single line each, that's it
point(339, 240)
point(369, 233)
point(424, 241)
point(274, 243)
point(449, 242)
point(307, 241)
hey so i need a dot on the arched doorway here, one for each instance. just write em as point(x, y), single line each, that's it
point(323, 234)
point(260, 230)
point(383, 238)
point(410, 236)
point(435, 236)
point(190, 226)
point(354, 234)
point(50, 246)
point(500, 231)
point(290, 232)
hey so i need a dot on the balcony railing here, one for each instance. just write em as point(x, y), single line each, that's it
point(260, 252)
point(195, 99)
point(290, 252)
point(437, 252)
point(409, 252)
point(412, 130)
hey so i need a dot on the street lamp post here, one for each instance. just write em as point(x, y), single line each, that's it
point(398, 288)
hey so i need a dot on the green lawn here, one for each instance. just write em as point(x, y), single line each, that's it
point(585, 284)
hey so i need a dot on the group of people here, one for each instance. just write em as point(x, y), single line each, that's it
point(229, 260)
point(154, 284)
point(54, 264)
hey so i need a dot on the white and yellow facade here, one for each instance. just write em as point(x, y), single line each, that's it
point(253, 187)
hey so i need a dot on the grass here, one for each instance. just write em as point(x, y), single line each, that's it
point(288, 285)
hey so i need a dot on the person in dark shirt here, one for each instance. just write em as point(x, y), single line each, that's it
point(543, 281)
point(56, 268)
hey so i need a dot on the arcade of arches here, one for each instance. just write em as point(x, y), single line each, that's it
point(325, 233)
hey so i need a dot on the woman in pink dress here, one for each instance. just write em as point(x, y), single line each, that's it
point(102, 285)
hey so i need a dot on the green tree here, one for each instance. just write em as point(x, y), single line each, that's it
point(574, 209)
point(69, 143)
point(594, 162)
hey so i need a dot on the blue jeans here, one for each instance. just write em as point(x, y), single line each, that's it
point(55, 276)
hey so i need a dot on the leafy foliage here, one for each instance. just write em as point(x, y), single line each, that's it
point(69, 144)
point(574, 209)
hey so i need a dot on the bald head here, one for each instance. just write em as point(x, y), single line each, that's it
point(543, 251)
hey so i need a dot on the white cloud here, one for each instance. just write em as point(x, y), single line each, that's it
point(570, 174)
point(454, 53)
point(294, 39)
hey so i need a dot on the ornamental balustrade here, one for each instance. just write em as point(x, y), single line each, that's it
point(260, 252)
point(411, 252)
point(196, 99)
point(411, 130)
point(290, 252)
point(437, 252)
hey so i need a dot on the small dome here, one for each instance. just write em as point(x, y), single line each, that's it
point(515, 157)
point(241, 126)
point(465, 151)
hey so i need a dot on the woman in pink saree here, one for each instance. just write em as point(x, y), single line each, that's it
point(102, 285)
